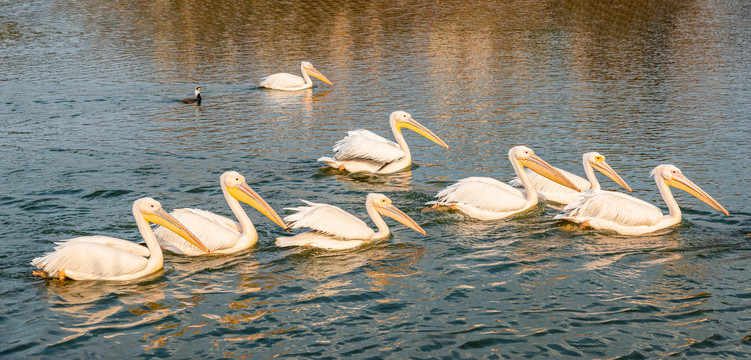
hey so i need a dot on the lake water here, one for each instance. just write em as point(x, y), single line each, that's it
point(88, 124)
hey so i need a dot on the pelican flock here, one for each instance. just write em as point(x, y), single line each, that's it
point(362, 150)
point(554, 192)
point(289, 82)
point(486, 198)
point(628, 215)
point(220, 234)
point(108, 258)
point(197, 232)
point(335, 229)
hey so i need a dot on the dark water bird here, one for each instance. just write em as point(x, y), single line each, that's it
point(196, 99)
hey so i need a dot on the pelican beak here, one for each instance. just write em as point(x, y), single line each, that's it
point(415, 126)
point(681, 182)
point(541, 167)
point(396, 214)
point(244, 193)
point(604, 168)
point(316, 74)
point(161, 217)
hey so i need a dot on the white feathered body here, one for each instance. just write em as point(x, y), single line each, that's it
point(484, 198)
point(333, 228)
point(285, 81)
point(96, 258)
point(219, 233)
point(622, 213)
point(553, 192)
point(363, 150)
point(318, 240)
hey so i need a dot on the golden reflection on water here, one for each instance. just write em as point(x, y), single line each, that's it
point(367, 182)
point(80, 303)
point(612, 248)
point(387, 274)
point(616, 68)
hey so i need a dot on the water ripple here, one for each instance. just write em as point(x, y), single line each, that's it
point(90, 123)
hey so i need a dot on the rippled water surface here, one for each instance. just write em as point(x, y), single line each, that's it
point(88, 124)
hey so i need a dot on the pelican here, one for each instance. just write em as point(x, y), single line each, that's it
point(289, 82)
point(486, 198)
point(551, 191)
point(628, 215)
point(220, 234)
point(196, 99)
point(362, 150)
point(108, 258)
point(336, 229)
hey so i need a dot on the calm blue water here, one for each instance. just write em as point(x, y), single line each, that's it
point(88, 124)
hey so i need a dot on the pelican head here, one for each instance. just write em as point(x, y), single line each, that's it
point(152, 211)
point(672, 176)
point(198, 90)
point(310, 70)
point(383, 206)
point(598, 162)
point(239, 189)
point(526, 157)
point(401, 119)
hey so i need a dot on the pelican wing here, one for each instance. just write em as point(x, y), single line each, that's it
point(116, 243)
point(281, 81)
point(365, 145)
point(317, 240)
point(223, 221)
point(214, 231)
point(612, 206)
point(483, 193)
point(328, 219)
point(92, 260)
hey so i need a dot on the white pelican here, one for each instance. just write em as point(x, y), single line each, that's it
point(220, 234)
point(336, 229)
point(628, 215)
point(553, 192)
point(289, 82)
point(196, 99)
point(362, 150)
point(108, 258)
point(486, 198)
